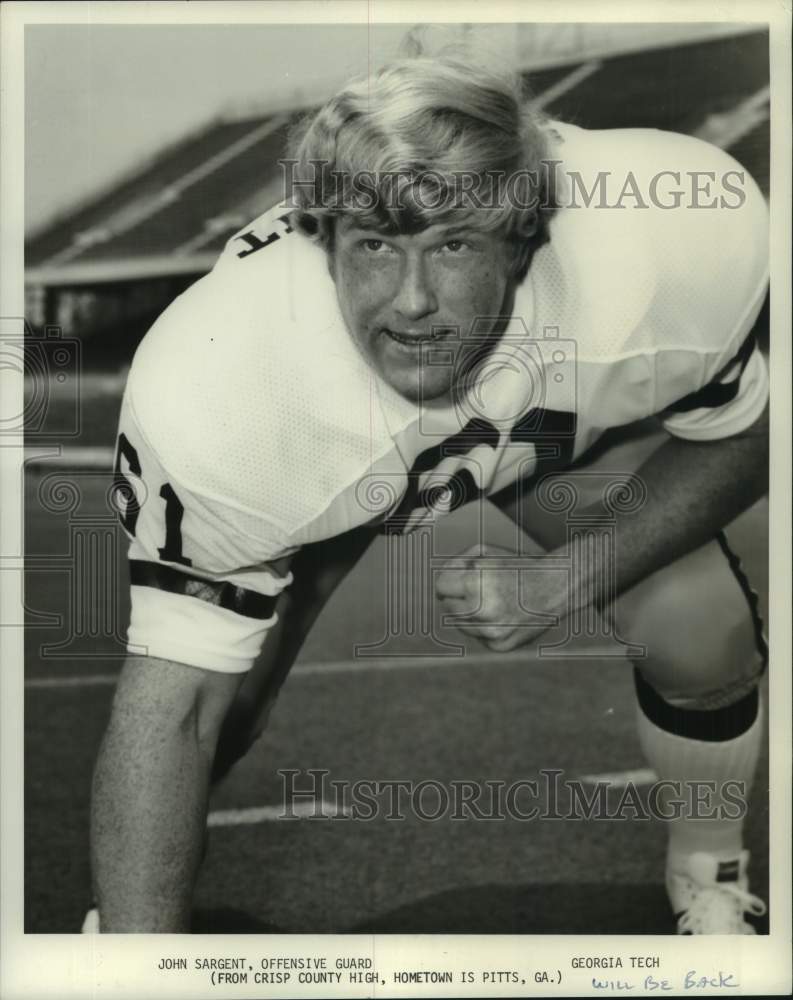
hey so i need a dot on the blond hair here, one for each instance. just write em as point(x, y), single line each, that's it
point(425, 141)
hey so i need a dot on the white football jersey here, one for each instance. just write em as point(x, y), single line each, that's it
point(251, 424)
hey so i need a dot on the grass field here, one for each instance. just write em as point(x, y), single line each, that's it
point(419, 716)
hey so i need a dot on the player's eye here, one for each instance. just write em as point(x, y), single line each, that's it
point(454, 246)
point(374, 246)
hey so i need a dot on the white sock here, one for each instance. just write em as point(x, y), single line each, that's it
point(682, 758)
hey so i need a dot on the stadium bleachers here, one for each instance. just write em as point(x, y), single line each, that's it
point(670, 88)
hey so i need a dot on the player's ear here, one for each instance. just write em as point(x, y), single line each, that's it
point(522, 252)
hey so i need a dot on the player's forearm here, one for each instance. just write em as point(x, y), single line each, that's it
point(149, 803)
point(693, 490)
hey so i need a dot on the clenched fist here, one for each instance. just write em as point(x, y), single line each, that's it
point(503, 599)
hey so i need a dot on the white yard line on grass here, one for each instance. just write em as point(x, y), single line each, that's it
point(79, 681)
point(313, 669)
point(73, 457)
point(619, 779)
point(267, 814)
point(328, 810)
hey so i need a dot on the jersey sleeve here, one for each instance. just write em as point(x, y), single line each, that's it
point(205, 574)
point(730, 403)
point(719, 387)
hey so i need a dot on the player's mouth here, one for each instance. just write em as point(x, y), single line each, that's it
point(416, 339)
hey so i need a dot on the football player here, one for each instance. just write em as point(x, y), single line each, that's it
point(457, 303)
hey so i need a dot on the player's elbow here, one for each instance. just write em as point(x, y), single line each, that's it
point(753, 450)
point(759, 430)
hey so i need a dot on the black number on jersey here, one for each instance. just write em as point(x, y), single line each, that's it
point(174, 510)
point(256, 243)
point(123, 487)
point(460, 488)
point(551, 432)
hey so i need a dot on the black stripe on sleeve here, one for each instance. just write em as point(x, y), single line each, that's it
point(223, 595)
point(718, 393)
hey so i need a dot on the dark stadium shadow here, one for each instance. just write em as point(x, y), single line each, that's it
point(229, 921)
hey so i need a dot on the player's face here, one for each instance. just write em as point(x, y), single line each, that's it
point(403, 296)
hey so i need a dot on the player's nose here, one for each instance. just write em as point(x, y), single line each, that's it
point(416, 296)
